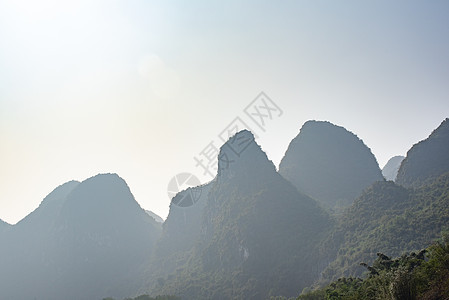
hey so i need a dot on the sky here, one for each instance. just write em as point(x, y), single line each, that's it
point(142, 88)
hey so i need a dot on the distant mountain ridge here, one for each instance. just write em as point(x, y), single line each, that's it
point(427, 159)
point(391, 168)
point(77, 243)
point(329, 163)
point(250, 233)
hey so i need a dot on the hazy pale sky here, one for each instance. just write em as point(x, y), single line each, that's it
point(140, 88)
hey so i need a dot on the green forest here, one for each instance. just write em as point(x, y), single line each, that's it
point(415, 275)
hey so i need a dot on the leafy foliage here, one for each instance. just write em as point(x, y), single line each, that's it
point(390, 219)
point(408, 277)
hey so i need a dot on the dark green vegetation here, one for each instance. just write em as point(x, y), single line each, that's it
point(390, 219)
point(330, 164)
point(422, 275)
point(251, 233)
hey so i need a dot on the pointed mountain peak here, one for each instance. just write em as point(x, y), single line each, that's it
point(442, 131)
point(324, 127)
point(243, 133)
point(329, 163)
point(240, 153)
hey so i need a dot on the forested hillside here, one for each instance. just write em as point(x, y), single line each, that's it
point(248, 214)
point(258, 234)
point(390, 219)
point(249, 233)
point(422, 274)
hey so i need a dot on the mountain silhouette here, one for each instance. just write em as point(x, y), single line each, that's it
point(250, 233)
point(427, 159)
point(252, 221)
point(85, 240)
point(396, 217)
point(391, 168)
point(329, 163)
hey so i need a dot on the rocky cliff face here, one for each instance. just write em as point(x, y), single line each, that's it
point(329, 163)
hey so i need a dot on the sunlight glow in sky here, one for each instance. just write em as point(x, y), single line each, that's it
point(140, 87)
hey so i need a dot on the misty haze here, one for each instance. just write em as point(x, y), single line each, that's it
point(224, 150)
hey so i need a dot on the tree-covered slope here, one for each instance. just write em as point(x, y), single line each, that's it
point(427, 159)
point(422, 275)
point(258, 234)
point(329, 163)
point(390, 219)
